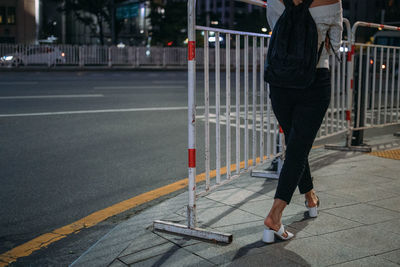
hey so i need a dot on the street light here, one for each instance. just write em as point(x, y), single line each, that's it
point(113, 35)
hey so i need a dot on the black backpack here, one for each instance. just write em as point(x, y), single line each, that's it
point(293, 52)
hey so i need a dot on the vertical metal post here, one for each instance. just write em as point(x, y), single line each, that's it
point(228, 105)
point(393, 79)
point(326, 121)
point(207, 110)
point(217, 108)
point(246, 102)
point(343, 87)
point(237, 43)
point(262, 99)
point(373, 87)
point(109, 50)
point(380, 88)
point(191, 208)
point(350, 84)
point(387, 83)
point(359, 87)
point(268, 124)
point(254, 150)
point(80, 55)
point(398, 92)
point(337, 95)
point(164, 50)
point(366, 86)
point(332, 104)
point(268, 115)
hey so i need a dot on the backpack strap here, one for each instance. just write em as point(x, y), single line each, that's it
point(320, 51)
point(307, 3)
point(288, 3)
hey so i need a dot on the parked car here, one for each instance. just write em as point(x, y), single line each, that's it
point(47, 55)
point(389, 38)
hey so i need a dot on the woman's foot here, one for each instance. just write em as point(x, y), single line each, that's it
point(273, 220)
point(311, 199)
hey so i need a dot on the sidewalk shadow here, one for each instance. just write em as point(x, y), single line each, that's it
point(315, 164)
point(326, 160)
point(243, 251)
point(275, 254)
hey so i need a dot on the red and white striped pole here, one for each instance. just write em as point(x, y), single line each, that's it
point(350, 81)
point(191, 208)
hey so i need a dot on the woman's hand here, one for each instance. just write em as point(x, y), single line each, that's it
point(327, 43)
point(297, 2)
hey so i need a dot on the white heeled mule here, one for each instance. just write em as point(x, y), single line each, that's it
point(313, 211)
point(269, 234)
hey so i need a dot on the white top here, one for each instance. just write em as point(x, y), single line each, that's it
point(329, 18)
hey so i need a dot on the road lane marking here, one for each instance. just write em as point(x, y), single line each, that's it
point(49, 96)
point(92, 111)
point(139, 87)
point(47, 239)
point(169, 82)
point(18, 83)
point(103, 111)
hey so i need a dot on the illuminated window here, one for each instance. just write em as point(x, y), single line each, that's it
point(11, 15)
point(2, 14)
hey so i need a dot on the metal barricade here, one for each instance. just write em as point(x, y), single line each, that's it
point(375, 84)
point(251, 117)
point(257, 117)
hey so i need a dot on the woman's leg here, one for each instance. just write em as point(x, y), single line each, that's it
point(306, 186)
point(306, 183)
point(306, 117)
point(308, 113)
point(283, 110)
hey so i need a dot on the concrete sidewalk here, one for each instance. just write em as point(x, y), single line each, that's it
point(358, 222)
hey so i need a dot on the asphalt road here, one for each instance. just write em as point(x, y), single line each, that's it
point(73, 143)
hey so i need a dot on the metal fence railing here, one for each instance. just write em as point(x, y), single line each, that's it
point(54, 56)
point(256, 130)
point(374, 76)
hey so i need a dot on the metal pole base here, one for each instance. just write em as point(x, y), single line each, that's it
point(349, 148)
point(192, 232)
point(397, 134)
point(269, 174)
point(264, 174)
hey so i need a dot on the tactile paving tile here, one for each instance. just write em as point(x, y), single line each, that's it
point(389, 154)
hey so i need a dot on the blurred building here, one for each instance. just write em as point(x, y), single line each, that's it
point(364, 10)
point(132, 24)
point(19, 21)
point(223, 11)
point(367, 10)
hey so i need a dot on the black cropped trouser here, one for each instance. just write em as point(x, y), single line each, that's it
point(300, 113)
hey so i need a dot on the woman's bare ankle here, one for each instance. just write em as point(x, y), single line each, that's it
point(312, 199)
point(272, 223)
point(273, 220)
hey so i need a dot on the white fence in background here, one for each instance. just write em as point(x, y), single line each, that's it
point(129, 56)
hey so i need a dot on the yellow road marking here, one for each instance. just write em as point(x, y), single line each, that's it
point(45, 240)
point(315, 147)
